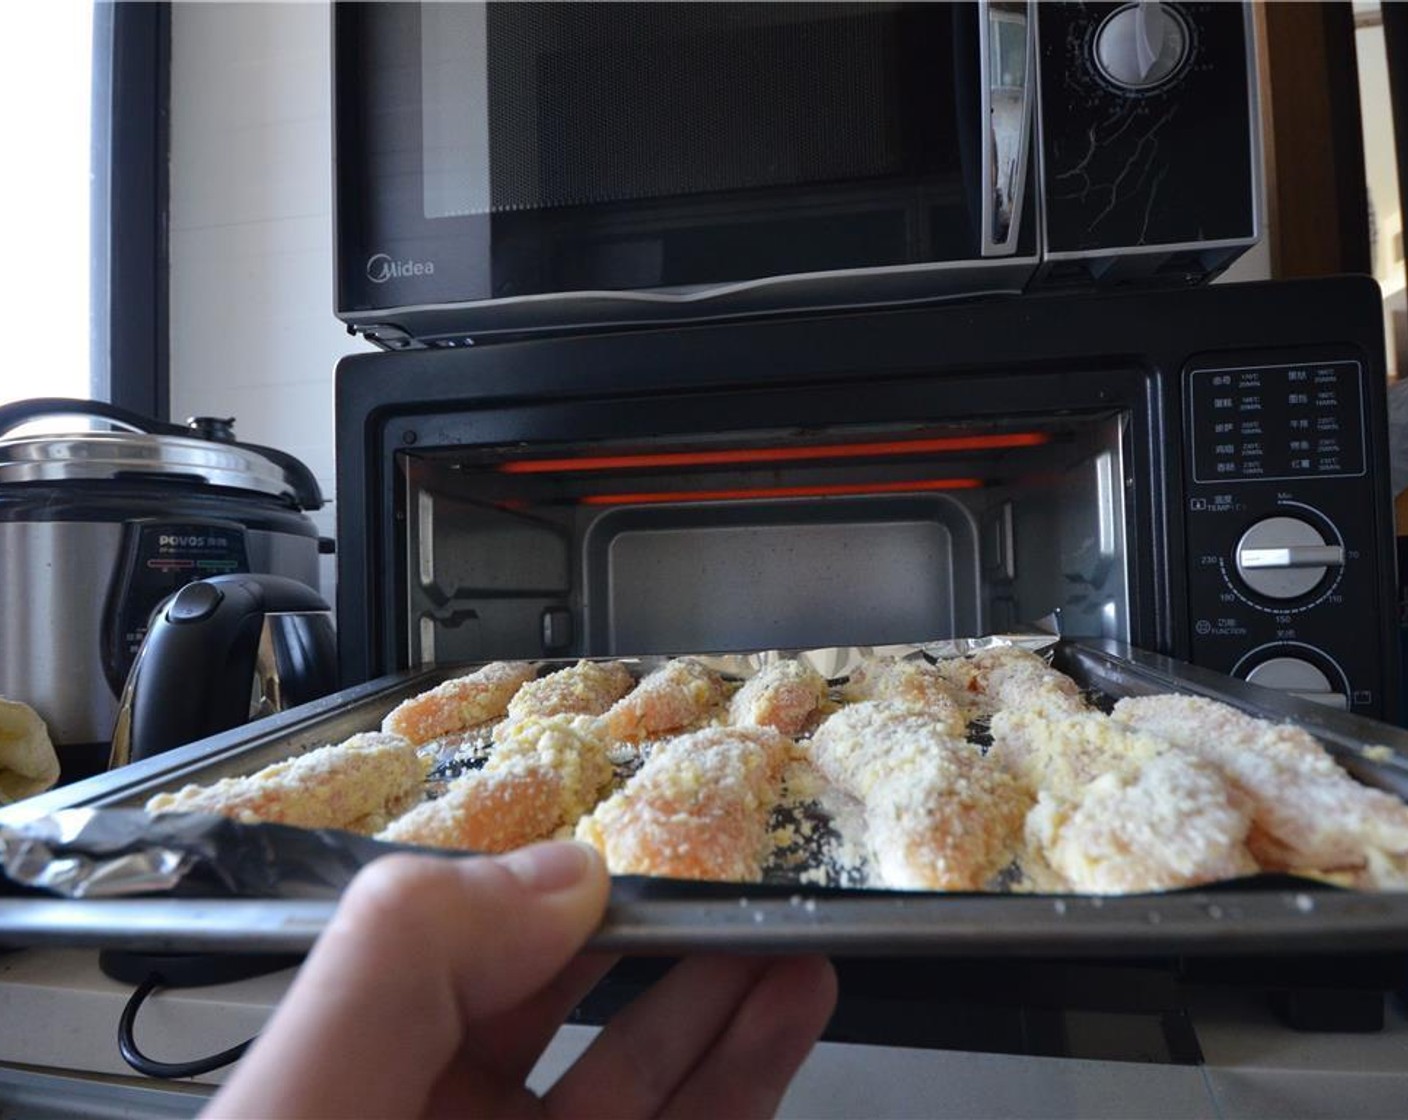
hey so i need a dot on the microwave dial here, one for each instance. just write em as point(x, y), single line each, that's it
point(1141, 46)
point(1285, 557)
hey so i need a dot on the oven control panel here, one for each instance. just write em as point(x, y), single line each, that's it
point(1283, 566)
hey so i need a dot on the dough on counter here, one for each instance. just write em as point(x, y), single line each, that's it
point(28, 762)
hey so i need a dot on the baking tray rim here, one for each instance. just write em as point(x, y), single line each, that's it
point(1212, 923)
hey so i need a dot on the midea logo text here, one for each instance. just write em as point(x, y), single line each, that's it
point(381, 268)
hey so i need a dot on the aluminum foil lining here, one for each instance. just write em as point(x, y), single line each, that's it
point(836, 663)
point(125, 853)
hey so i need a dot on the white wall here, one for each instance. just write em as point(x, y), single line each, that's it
point(252, 328)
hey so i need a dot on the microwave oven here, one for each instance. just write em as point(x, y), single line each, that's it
point(510, 168)
point(1198, 473)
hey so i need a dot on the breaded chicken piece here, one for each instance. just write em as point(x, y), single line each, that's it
point(1063, 753)
point(1119, 810)
point(939, 815)
point(787, 696)
point(681, 694)
point(1009, 677)
point(545, 775)
point(916, 686)
point(460, 703)
point(1165, 824)
point(1306, 812)
point(586, 688)
point(484, 812)
point(697, 809)
point(357, 785)
point(573, 746)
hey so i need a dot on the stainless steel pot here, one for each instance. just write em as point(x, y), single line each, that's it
point(98, 527)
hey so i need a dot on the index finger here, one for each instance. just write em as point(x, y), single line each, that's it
point(716, 1036)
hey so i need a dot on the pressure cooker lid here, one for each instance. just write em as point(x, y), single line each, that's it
point(203, 453)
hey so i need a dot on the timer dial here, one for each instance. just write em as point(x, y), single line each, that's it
point(1141, 45)
point(1300, 677)
point(1285, 557)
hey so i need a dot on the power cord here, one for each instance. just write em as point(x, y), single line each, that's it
point(127, 1043)
point(152, 971)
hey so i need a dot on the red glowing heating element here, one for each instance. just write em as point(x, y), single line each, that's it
point(938, 445)
point(647, 496)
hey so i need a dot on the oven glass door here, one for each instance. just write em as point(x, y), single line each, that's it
point(509, 149)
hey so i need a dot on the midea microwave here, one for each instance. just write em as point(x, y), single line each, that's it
point(510, 168)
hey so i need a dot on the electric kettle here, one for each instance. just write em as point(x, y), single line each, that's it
point(221, 652)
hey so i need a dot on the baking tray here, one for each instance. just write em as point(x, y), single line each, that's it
point(1263, 914)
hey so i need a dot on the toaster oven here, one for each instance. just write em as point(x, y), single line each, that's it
point(1197, 473)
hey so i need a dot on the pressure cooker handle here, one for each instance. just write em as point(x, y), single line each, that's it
point(196, 667)
point(306, 490)
point(22, 412)
point(305, 487)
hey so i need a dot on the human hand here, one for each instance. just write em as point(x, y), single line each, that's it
point(439, 982)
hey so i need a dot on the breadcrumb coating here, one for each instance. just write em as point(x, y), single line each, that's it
point(697, 809)
point(914, 685)
point(787, 696)
point(681, 694)
point(546, 774)
point(586, 688)
point(357, 785)
point(483, 812)
point(1307, 813)
point(459, 704)
point(574, 747)
point(1065, 752)
point(1165, 824)
point(1010, 677)
point(940, 816)
point(1119, 810)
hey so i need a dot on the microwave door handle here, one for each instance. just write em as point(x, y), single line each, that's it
point(1006, 122)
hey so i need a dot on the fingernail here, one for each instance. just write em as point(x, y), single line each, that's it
point(549, 867)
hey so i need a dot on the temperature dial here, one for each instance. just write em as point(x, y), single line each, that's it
point(1285, 557)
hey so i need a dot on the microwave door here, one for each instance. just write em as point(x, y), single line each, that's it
point(677, 156)
point(678, 147)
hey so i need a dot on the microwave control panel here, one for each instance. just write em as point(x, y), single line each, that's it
point(1284, 571)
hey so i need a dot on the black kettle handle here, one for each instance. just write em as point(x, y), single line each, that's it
point(193, 673)
point(306, 490)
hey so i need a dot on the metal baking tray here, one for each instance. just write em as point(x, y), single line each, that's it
point(1267, 913)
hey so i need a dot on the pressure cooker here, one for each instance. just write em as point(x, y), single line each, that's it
point(98, 527)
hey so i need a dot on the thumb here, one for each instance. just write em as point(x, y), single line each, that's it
point(420, 947)
point(496, 928)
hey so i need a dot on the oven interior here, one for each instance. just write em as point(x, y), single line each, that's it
point(777, 538)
